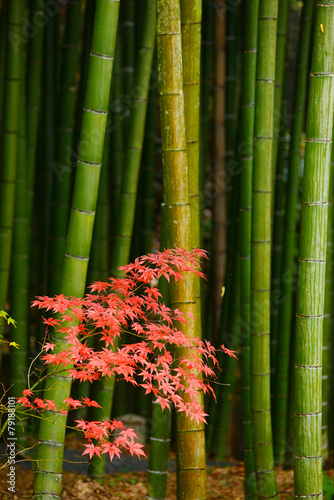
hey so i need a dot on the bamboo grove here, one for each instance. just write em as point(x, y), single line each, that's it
point(132, 125)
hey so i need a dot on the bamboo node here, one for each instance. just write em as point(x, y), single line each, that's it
point(79, 257)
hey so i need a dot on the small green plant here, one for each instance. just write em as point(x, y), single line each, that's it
point(10, 321)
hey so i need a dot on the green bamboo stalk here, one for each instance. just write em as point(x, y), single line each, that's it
point(191, 460)
point(327, 343)
point(117, 135)
point(260, 250)
point(281, 53)
point(33, 94)
point(63, 164)
point(127, 203)
point(219, 178)
point(129, 55)
point(121, 249)
point(191, 17)
point(19, 274)
point(231, 109)
point(312, 260)
point(246, 160)
point(231, 339)
point(148, 169)
point(98, 269)
point(289, 243)
point(330, 409)
point(206, 95)
point(277, 199)
point(2, 57)
point(50, 79)
point(159, 453)
point(84, 65)
point(9, 143)
point(161, 419)
point(48, 473)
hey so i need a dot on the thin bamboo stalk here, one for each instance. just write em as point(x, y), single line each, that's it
point(50, 79)
point(327, 343)
point(121, 249)
point(127, 203)
point(129, 55)
point(231, 339)
point(2, 57)
point(9, 144)
point(117, 135)
point(312, 260)
point(219, 207)
point(33, 95)
point(63, 164)
point(148, 170)
point(48, 473)
point(191, 460)
point(277, 199)
point(207, 59)
point(161, 419)
point(289, 242)
point(19, 278)
point(246, 160)
point(260, 250)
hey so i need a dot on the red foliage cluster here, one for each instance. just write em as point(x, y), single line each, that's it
point(129, 304)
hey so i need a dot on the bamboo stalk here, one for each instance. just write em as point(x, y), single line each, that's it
point(327, 344)
point(63, 164)
point(19, 277)
point(33, 95)
point(9, 144)
point(191, 460)
point(219, 178)
point(312, 260)
point(127, 203)
point(48, 473)
point(289, 242)
point(277, 199)
point(260, 250)
point(246, 160)
point(121, 249)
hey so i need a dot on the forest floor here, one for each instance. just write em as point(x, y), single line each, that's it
point(123, 482)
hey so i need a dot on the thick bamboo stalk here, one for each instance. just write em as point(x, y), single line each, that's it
point(63, 164)
point(289, 242)
point(191, 460)
point(9, 144)
point(312, 260)
point(246, 160)
point(260, 250)
point(48, 475)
